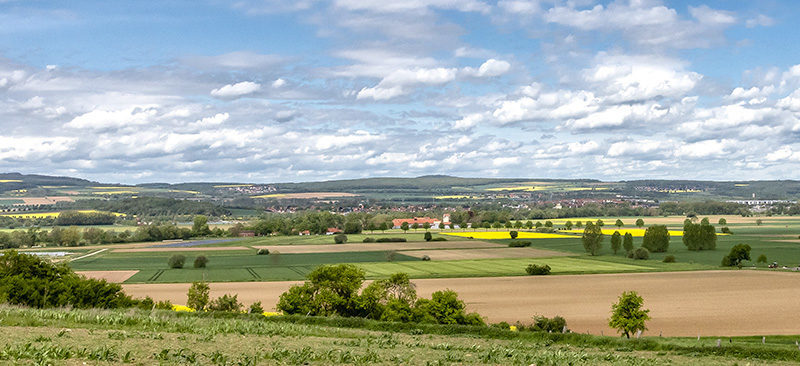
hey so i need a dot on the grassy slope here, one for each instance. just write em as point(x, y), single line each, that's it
point(44, 336)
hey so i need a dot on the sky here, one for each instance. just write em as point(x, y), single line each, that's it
point(289, 91)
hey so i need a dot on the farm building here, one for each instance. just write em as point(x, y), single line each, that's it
point(333, 230)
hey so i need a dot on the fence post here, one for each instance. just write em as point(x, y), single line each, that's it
point(719, 343)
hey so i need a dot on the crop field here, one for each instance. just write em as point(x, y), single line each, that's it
point(686, 303)
point(496, 235)
point(306, 195)
point(37, 215)
point(636, 233)
point(32, 336)
point(371, 247)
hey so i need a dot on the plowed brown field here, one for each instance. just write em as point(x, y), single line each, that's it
point(681, 303)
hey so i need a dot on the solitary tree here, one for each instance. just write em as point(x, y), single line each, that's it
point(627, 315)
point(441, 226)
point(762, 259)
point(759, 222)
point(739, 253)
point(722, 221)
point(404, 227)
point(529, 224)
point(627, 242)
point(656, 238)
point(513, 234)
point(616, 241)
point(578, 223)
point(600, 223)
point(705, 221)
point(568, 225)
point(639, 223)
point(428, 236)
point(618, 223)
point(592, 238)
point(538, 224)
point(426, 226)
point(548, 223)
point(415, 226)
point(200, 226)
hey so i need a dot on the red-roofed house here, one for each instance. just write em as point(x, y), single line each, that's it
point(332, 230)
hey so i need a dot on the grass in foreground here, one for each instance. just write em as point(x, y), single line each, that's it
point(142, 337)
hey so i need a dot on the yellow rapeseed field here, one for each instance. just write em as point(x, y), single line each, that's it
point(638, 233)
point(274, 195)
point(495, 235)
point(10, 181)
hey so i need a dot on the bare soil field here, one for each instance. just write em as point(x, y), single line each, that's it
point(708, 303)
point(178, 249)
point(45, 200)
point(377, 247)
point(457, 254)
point(110, 276)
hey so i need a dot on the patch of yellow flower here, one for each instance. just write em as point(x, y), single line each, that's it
point(513, 328)
point(741, 185)
point(183, 308)
point(274, 195)
point(182, 191)
point(10, 181)
point(496, 235)
point(452, 197)
point(39, 215)
point(270, 313)
point(638, 233)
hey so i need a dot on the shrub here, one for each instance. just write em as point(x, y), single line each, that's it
point(669, 259)
point(544, 324)
point(428, 236)
point(197, 297)
point(200, 261)
point(739, 253)
point(340, 238)
point(439, 238)
point(426, 258)
point(32, 281)
point(390, 240)
point(226, 302)
point(176, 261)
point(262, 251)
point(641, 253)
point(513, 234)
point(726, 230)
point(164, 305)
point(256, 308)
point(368, 240)
point(762, 259)
point(519, 243)
point(537, 270)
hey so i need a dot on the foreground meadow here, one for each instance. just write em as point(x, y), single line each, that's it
point(163, 337)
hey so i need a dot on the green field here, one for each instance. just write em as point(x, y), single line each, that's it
point(55, 336)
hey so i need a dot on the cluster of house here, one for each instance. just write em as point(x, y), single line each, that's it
point(420, 221)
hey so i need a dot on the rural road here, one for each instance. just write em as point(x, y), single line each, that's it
point(707, 303)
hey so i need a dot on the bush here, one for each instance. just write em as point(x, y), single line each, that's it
point(762, 259)
point(164, 305)
point(176, 261)
point(262, 251)
point(544, 324)
point(669, 259)
point(439, 238)
point(32, 281)
point(428, 236)
point(340, 238)
point(726, 230)
point(390, 240)
point(426, 258)
point(513, 234)
point(537, 270)
point(200, 261)
point(197, 297)
point(256, 308)
point(640, 253)
point(739, 253)
point(519, 243)
point(226, 302)
point(368, 240)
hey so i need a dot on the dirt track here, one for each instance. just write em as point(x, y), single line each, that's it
point(458, 254)
point(178, 249)
point(682, 303)
point(377, 247)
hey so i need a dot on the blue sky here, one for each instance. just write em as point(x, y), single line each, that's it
point(268, 91)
